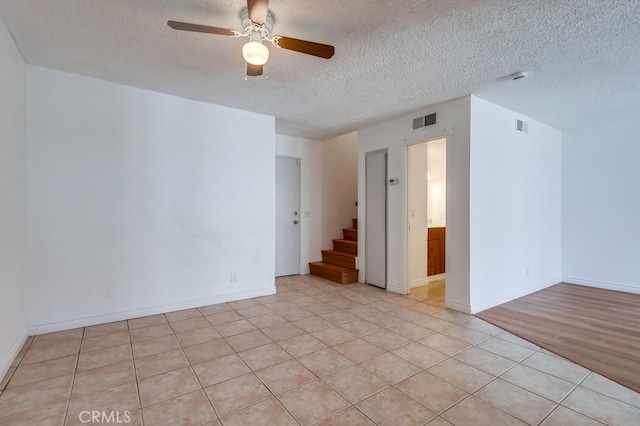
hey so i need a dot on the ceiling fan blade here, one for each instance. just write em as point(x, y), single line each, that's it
point(258, 11)
point(184, 26)
point(254, 70)
point(325, 51)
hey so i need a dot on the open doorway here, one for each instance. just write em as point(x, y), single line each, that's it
point(426, 209)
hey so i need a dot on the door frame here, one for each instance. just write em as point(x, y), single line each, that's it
point(410, 205)
point(299, 160)
point(406, 285)
point(386, 214)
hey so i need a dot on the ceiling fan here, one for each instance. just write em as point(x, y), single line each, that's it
point(257, 22)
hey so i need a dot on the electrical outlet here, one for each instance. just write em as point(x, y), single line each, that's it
point(526, 271)
point(233, 277)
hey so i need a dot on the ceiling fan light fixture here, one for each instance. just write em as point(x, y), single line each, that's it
point(255, 53)
point(257, 23)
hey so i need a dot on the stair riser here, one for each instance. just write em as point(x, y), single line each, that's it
point(347, 262)
point(336, 277)
point(345, 247)
point(350, 234)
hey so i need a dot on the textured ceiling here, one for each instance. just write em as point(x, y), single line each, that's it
point(392, 57)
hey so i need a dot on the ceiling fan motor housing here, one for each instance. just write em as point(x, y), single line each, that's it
point(246, 22)
point(255, 35)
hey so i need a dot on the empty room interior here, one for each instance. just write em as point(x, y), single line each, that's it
point(261, 212)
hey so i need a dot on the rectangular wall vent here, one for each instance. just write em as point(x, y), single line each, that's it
point(427, 120)
point(430, 119)
point(521, 126)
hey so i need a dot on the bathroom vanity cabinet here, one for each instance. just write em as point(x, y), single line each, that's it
point(436, 249)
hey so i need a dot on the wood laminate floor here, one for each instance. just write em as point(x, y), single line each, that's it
point(598, 329)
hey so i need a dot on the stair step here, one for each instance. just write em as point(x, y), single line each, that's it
point(337, 274)
point(340, 258)
point(346, 246)
point(350, 234)
point(355, 223)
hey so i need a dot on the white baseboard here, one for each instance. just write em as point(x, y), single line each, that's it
point(602, 284)
point(437, 277)
point(394, 288)
point(461, 307)
point(420, 282)
point(427, 280)
point(504, 298)
point(12, 353)
point(34, 329)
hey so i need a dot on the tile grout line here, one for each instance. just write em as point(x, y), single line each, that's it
point(73, 382)
point(488, 383)
point(315, 375)
point(576, 386)
point(603, 394)
point(23, 351)
point(135, 373)
point(274, 396)
point(243, 361)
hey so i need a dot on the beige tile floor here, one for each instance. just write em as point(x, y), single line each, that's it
point(314, 353)
point(434, 293)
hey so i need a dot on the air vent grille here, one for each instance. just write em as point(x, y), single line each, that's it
point(427, 120)
point(521, 126)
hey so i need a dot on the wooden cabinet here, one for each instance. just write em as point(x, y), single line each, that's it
point(436, 250)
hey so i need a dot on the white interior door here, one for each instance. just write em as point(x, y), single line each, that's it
point(417, 182)
point(376, 218)
point(287, 216)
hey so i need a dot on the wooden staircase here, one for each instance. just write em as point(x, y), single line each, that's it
point(339, 264)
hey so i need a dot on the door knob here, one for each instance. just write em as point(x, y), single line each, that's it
point(295, 222)
point(295, 213)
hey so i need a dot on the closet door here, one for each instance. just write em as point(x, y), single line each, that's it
point(287, 217)
point(376, 218)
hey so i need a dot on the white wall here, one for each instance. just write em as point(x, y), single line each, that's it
point(310, 154)
point(141, 202)
point(13, 193)
point(514, 206)
point(339, 186)
point(601, 206)
point(452, 121)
